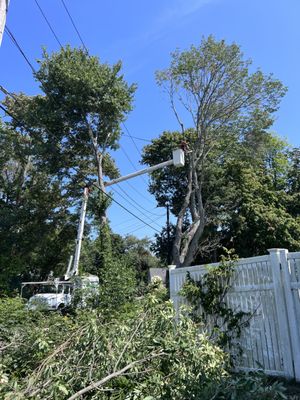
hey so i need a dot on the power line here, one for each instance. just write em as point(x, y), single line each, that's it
point(131, 137)
point(12, 116)
point(74, 25)
point(48, 23)
point(130, 227)
point(136, 228)
point(138, 138)
point(135, 202)
point(15, 42)
point(138, 192)
point(128, 201)
point(138, 150)
point(131, 163)
point(126, 209)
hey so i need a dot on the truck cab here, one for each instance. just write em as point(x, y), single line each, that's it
point(58, 294)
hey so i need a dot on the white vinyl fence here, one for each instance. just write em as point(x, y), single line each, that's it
point(269, 288)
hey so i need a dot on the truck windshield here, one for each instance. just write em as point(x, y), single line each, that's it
point(49, 289)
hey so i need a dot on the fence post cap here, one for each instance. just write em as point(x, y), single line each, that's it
point(170, 267)
point(275, 250)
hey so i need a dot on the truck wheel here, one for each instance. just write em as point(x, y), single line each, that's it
point(61, 308)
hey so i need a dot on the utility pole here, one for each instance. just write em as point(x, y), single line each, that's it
point(3, 11)
point(169, 258)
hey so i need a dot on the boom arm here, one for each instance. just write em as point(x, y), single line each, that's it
point(74, 271)
point(177, 161)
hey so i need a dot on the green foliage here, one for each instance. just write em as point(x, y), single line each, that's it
point(213, 92)
point(136, 253)
point(27, 337)
point(265, 209)
point(209, 307)
point(57, 142)
point(249, 192)
point(133, 253)
point(117, 284)
point(48, 356)
point(168, 361)
point(115, 270)
point(252, 385)
point(34, 216)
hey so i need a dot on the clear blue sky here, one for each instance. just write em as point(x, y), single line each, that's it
point(142, 34)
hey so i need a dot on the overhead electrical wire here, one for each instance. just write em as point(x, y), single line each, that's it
point(10, 114)
point(131, 203)
point(48, 23)
point(136, 228)
point(74, 25)
point(126, 209)
point(138, 138)
point(15, 42)
point(135, 202)
point(138, 192)
point(131, 163)
point(129, 134)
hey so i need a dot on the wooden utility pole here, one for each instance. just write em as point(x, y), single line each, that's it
point(3, 11)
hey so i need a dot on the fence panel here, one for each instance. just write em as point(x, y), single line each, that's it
point(257, 288)
point(293, 292)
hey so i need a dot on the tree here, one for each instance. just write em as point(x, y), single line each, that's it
point(34, 216)
point(133, 256)
point(211, 87)
point(294, 182)
point(264, 214)
point(77, 120)
point(250, 194)
point(56, 143)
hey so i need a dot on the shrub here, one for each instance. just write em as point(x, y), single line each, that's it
point(138, 355)
point(158, 358)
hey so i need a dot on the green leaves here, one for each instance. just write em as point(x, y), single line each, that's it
point(207, 299)
point(58, 142)
point(171, 362)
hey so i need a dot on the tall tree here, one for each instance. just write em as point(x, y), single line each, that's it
point(35, 223)
point(57, 142)
point(211, 88)
point(249, 192)
point(77, 118)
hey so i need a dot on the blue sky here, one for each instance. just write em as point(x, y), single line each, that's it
point(143, 34)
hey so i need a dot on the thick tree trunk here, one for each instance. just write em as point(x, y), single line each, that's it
point(99, 164)
point(186, 243)
point(176, 251)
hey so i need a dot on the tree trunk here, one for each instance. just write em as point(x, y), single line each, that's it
point(186, 243)
point(99, 164)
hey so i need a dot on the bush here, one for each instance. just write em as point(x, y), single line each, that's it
point(117, 284)
point(26, 337)
point(158, 358)
point(140, 354)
